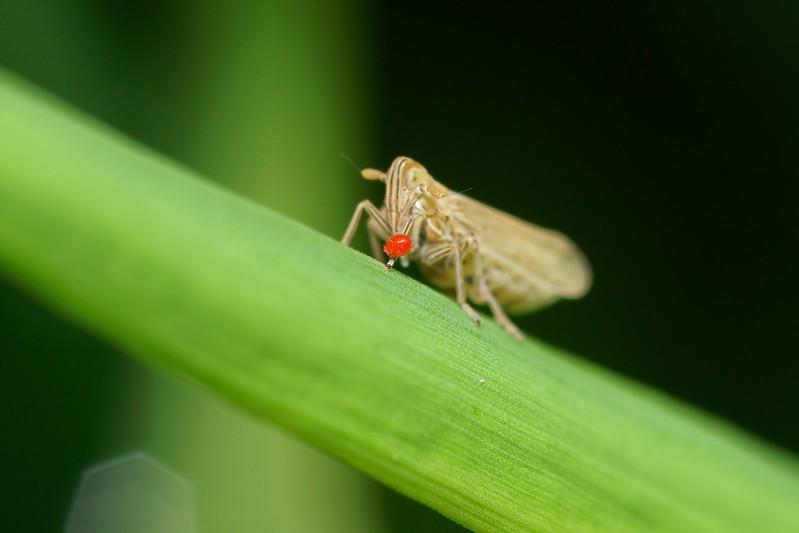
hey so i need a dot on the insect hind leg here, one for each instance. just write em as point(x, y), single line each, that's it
point(499, 314)
point(485, 293)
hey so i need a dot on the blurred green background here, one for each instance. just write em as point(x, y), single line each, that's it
point(663, 139)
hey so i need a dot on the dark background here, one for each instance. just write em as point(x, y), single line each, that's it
point(662, 138)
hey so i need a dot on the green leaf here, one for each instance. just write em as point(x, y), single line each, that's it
point(372, 366)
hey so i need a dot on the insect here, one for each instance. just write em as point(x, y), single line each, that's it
point(487, 256)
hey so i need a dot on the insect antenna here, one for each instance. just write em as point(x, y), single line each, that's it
point(458, 192)
point(349, 160)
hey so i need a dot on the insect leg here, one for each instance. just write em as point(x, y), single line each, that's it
point(374, 243)
point(433, 253)
point(499, 314)
point(376, 215)
point(460, 289)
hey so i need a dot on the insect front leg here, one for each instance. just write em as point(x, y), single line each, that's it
point(374, 243)
point(373, 212)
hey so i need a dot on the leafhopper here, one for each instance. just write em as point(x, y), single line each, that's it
point(488, 257)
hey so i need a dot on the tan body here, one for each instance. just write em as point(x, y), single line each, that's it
point(485, 255)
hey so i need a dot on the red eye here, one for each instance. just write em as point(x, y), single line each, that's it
point(398, 245)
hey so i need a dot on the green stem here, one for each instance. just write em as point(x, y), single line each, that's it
point(372, 366)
